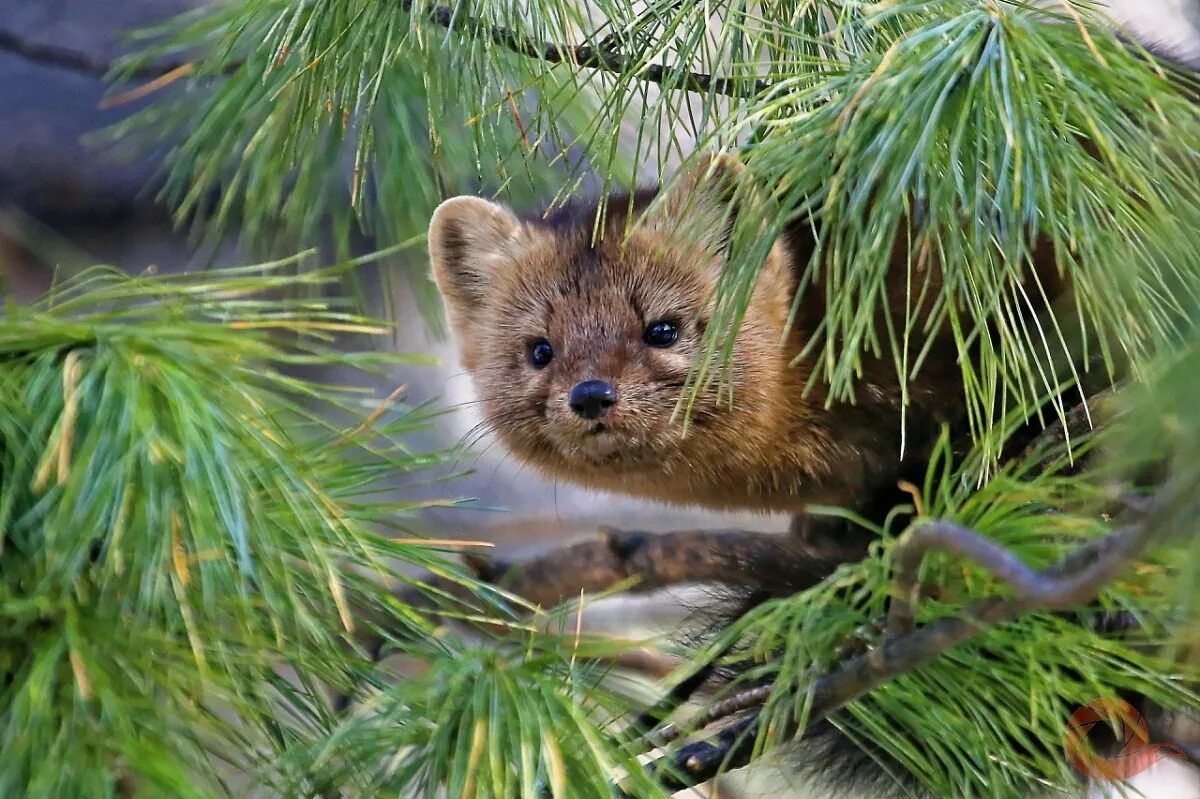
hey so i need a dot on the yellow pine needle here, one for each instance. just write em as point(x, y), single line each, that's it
point(82, 681)
point(913, 492)
point(477, 741)
point(1083, 32)
point(189, 624)
point(339, 599)
point(58, 457)
point(373, 417)
point(42, 476)
point(558, 769)
point(179, 557)
point(578, 630)
point(138, 92)
point(289, 324)
point(443, 542)
point(71, 371)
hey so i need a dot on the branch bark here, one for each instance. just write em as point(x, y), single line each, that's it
point(53, 55)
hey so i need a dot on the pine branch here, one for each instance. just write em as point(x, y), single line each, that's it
point(588, 56)
point(1076, 579)
point(603, 56)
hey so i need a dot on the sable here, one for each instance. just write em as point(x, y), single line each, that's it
point(579, 339)
point(544, 311)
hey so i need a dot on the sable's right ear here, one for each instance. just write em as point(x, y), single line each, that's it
point(467, 235)
point(701, 204)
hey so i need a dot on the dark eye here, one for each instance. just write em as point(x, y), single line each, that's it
point(661, 334)
point(540, 353)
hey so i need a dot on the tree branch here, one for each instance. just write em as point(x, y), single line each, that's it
point(652, 560)
point(1076, 579)
point(603, 57)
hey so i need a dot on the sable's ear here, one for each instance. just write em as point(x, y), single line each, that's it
point(703, 206)
point(466, 237)
point(700, 205)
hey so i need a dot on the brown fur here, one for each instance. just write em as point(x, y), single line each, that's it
point(509, 281)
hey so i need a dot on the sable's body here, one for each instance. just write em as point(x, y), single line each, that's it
point(510, 283)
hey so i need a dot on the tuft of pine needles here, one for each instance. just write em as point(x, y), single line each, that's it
point(509, 719)
point(975, 132)
point(182, 517)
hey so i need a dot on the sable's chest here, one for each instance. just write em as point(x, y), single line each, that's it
point(765, 490)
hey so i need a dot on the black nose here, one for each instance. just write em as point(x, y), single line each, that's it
point(591, 398)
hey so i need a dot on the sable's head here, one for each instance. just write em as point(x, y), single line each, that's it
point(580, 349)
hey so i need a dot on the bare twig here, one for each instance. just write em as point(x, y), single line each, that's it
point(1076, 579)
point(968, 544)
point(604, 56)
point(717, 711)
point(1046, 590)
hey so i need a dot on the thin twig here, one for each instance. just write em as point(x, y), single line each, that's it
point(968, 544)
point(750, 698)
point(602, 57)
point(53, 55)
point(717, 711)
point(997, 560)
point(1047, 590)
